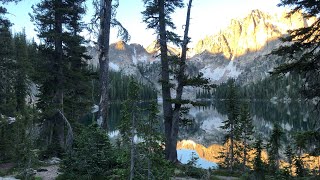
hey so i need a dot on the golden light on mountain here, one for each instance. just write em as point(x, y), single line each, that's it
point(120, 45)
point(211, 153)
point(250, 34)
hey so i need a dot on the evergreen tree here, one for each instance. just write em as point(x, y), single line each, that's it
point(93, 156)
point(258, 165)
point(231, 124)
point(245, 132)
point(299, 165)
point(302, 56)
point(157, 16)
point(7, 65)
point(63, 68)
point(274, 145)
point(78, 75)
point(146, 157)
point(22, 67)
point(290, 156)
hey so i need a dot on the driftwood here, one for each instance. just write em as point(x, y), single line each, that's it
point(69, 138)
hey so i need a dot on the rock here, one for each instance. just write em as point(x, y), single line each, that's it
point(8, 178)
point(42, 170)
point(54, 160)
point(51, 173)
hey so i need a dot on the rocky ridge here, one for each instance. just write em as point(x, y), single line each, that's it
point(238, 51)
point(251, 34)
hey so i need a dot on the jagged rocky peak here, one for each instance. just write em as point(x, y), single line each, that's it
point(120, 45)
point(154, 48)
point(122, 53)
point(251, 33)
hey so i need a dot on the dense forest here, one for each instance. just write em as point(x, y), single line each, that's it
point(55, 105)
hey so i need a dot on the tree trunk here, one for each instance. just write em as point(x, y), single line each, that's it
point(166, 95)
point(58, 98)
point(231, 146)
point(171, 148)
point(104, 38)
point(132, 151)
point(244, 154)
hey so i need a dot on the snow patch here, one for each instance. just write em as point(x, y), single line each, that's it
point(213, 123)
point(134, 56)
point(144, 59)
point(114, 134)
point(185, 155)
point(114, 66)
point(287, 126)
point(95, 108)
point(11, 120)
point(216, 74)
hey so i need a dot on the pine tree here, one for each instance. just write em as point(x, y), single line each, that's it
point(299, 165)
point(290, 156)
point(302, 56)
point(7, 64)
point(93, 156)
point(231, 124)
point(78, 75)
point(7, 72)
point(258, 165)
point(146, 157)
point(63, 68)
point(157, 16)
point(274, 145)
point(22, 67)
point(245, 132)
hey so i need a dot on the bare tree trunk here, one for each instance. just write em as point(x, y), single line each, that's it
point(69, 138)
point(104, 38)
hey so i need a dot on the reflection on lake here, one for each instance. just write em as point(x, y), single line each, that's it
point(293, 116)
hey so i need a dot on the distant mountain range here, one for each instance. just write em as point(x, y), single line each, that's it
point(238, 51)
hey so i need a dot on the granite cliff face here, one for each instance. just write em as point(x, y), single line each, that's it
point(250, 34)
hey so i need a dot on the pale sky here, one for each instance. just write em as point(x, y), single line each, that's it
point(208, 17)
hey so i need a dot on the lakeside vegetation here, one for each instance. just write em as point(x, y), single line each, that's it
point(54, 104)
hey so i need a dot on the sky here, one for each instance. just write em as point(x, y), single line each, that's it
point(207, 17)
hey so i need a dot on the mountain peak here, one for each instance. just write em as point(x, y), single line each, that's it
point(250, 34)
point(120, 45)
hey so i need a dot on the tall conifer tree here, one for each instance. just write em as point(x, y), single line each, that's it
point(231, 124)
point(63, 83)
point(157, 16)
